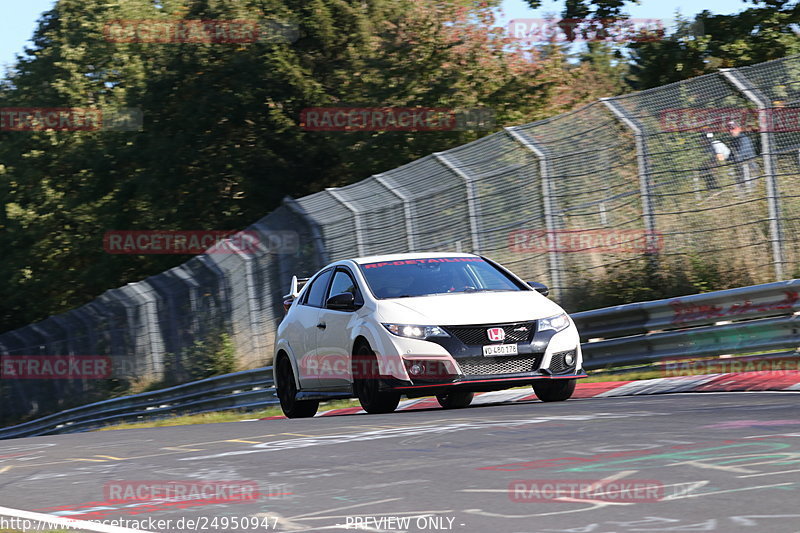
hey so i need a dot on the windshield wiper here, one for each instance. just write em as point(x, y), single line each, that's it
point(487, 290)
point(467, 291)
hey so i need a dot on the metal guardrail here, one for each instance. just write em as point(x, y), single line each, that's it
point(241, 390)
point(760, 318)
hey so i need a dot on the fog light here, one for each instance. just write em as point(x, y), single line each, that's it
point(416, 369)
point(569, 359)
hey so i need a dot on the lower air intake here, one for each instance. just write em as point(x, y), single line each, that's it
point(493, 366)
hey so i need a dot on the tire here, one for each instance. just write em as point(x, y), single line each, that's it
point(554, 390)
point(366, 383)
point(287, 392)
point(455, 400)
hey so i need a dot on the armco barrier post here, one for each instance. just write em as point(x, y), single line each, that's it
point(472, 200)
point(556, 265)
point(752, 93)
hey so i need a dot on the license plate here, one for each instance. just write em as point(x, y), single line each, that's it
point(499, 349)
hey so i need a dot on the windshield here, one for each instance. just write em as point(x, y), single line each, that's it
point(440, 275)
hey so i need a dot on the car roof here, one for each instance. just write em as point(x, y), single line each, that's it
point(401, 257)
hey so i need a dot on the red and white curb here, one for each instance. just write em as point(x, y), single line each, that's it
point(745, 381)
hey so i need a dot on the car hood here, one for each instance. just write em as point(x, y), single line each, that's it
point(467, 308)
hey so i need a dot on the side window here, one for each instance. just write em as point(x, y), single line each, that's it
point(316, 293)
point(342, 282)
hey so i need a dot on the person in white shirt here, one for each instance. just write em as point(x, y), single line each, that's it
point(717, 153)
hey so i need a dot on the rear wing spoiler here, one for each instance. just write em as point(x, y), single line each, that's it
point(295, 287)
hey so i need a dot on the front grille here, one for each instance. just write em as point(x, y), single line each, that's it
point(491, 366)
point(558, 365)
point(477, 335)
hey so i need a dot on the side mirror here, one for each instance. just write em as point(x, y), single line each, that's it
point(541, 288)
point(342, 302)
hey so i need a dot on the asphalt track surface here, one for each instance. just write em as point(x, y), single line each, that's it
point(723, 462)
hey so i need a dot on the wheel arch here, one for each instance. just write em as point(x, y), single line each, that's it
point(281, 354)
point(358, 341)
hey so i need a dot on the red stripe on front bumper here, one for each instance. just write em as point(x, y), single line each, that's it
point(497, 380)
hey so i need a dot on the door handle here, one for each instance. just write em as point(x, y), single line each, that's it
point(321, 325)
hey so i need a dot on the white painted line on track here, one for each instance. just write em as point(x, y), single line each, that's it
point(68, 523)
point(770, 473)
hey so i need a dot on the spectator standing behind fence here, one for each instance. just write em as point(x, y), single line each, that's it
point(744, 154)
point(717, 153)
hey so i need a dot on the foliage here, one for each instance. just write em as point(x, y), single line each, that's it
point(590, 8)
point(203, 359)
point(653, 279)
point(222, 142)
point(760, 33)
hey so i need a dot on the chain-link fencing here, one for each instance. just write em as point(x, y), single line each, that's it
point(624, 185)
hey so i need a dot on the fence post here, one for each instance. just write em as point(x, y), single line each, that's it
point(645, 184)
point(281, 282)
point(773, 194)
point(356, 218)
point(408, 212)
point(258, 329)
point(153, 328)
point(556, 264)
point(472, 199)
point(316, 231)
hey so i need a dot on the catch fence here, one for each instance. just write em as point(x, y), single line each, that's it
point(620, 185)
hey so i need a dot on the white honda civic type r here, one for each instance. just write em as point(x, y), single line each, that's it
point(443, 324)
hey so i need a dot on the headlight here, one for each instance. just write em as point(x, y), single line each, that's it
point(556, 323)
point(415, 332)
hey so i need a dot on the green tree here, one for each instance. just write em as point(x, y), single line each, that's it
point(589, 8)
point(222, 142)
point(607, 58)
point(708, 42)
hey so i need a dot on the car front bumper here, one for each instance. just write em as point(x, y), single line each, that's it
point(473, 383)
point(447, 363)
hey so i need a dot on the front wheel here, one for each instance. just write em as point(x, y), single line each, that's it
point(554, 390)
point(287, 393)
point(455, 400)
point(366, 383)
